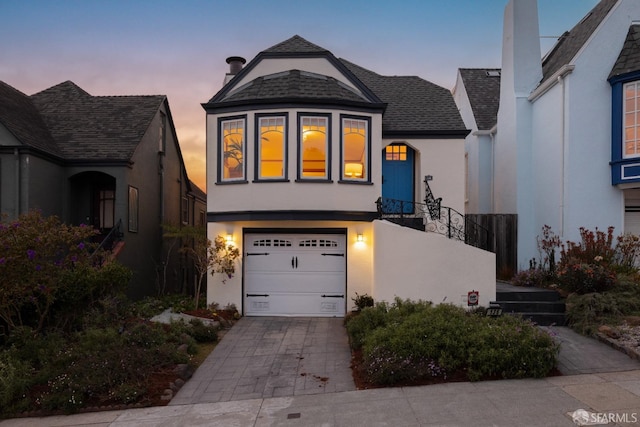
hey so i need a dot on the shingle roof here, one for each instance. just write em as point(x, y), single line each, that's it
point(89, 127)
point(571, 41)
point(295, 44)
point(294, 84)
point(629, 59)
point(21, 118)
point(414, 105)
point(483, 90)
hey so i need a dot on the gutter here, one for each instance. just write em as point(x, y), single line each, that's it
point(551, 82)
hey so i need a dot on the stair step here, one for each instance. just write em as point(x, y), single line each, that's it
point(528, 295)
point(532, 306)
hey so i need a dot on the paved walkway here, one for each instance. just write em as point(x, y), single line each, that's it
point(306, 363)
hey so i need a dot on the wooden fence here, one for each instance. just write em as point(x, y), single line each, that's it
point(504, 228)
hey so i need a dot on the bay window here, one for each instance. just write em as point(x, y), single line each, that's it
point(271, 148)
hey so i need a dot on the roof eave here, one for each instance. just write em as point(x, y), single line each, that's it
point(430, 134)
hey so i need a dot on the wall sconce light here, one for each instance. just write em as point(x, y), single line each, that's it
point(229, 239)
point(360, 238)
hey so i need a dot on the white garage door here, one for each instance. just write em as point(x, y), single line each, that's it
point(294, 275)
point(632, 220)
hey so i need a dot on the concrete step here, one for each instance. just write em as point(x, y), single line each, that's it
point(528, 294)
point(532, 306)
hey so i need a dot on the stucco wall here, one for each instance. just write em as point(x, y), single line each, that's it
point(417, 265)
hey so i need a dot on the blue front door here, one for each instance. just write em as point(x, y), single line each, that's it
point(397, 177)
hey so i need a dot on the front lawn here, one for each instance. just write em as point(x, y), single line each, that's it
point(416, 343)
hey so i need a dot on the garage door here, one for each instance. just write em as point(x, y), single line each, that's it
point(294, 275)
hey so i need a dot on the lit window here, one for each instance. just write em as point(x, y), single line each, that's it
point(271, 155)
point(355, 149)
point(396, 153)
point(233, 150)
point(133, 209)
point(314, 139)
point(631, 119)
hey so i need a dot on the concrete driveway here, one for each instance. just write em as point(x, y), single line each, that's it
point(262, 357)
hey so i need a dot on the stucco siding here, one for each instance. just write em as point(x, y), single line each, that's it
point(417, 265)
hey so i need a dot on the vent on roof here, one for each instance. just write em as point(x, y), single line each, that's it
point(493, 73)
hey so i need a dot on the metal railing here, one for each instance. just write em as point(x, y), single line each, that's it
point(437, 219)
point(109, 241)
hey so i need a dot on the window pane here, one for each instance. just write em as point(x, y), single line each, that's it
point(354, 154)
point(107, 208)
point(396, 153)
point(233, 149)
point(133, 209)
point(314, 147)
point(272, 134)
point(631, 120)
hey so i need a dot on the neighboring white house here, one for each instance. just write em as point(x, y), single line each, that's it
point(566, 148)
point(300, 146)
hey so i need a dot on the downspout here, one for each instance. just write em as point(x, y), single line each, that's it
point(16, 154)
point(561, 81)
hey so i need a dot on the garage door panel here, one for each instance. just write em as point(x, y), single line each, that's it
point(295, 274)
point(275, 282)
point(295, 304)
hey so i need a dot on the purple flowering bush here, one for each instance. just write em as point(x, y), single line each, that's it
point(43, 264)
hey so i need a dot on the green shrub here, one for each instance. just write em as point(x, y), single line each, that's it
point(585, 313)
point(14, 378)
point(417, 341)
point(202, 332)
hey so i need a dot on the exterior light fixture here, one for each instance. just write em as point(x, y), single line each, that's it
point(229, 239)
point(359, 238)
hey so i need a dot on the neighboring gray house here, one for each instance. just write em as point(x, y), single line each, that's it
point(112, 162)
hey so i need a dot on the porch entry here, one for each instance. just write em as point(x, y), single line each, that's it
point(288, 274)
point(397, 174)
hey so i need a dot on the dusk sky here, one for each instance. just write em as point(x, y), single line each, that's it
point(178, 48)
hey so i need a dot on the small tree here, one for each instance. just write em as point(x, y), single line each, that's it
point(217, 256)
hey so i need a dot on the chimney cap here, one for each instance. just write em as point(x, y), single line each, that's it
point(236, 59)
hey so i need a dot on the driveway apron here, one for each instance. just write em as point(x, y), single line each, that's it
point(261, 357)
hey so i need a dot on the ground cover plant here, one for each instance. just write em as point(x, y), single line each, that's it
point(416, 343)
point(69, 337)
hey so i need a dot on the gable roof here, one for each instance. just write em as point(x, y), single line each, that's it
point(296, 44)
point(414, 105)
point(483, 90)
point(629, 59)
point(22, 119)
point(572, 41)
point(87, 127)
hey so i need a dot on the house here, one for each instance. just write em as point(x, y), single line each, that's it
point(477, 95)
point(300, 147)
point(112, 162)
point(565, 146)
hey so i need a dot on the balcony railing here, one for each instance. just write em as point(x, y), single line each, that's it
point(436, 219)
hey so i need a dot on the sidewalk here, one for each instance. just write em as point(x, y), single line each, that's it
point(540, 402)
